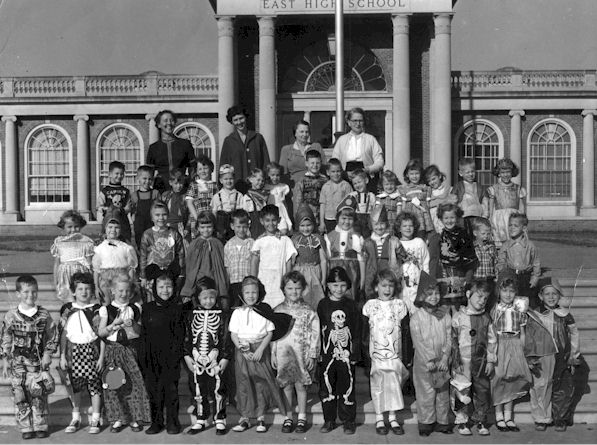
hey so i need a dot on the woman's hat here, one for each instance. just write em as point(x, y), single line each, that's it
point(225, 169)
point(350, 202)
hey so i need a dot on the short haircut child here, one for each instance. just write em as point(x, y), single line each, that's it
point(296, 277)
point(206, 217)
point(177, 175)
point(505, 164)
point(387, 274)
point(522, 217)
point(81, 278)
point(204, 160)
point(145, 169)
point(359, 172)
point(391, 177)
point(254, 172)
point(25, 280)
point(479, 223)
point(338, 274)
point(413, 164)
point(465, 162)
point(312, 154)
point(335, 162)
point(74, 216)
point(116, 165)
point(159, 205)
point(433, 170)
point(273, 166)
point(270, 210)
point(406, 216)
point(447, 207)
point(239, 216)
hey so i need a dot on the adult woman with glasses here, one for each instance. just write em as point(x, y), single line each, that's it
point(292, 156)
point(357, 149)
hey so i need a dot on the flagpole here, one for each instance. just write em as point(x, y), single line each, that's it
point(339, 22)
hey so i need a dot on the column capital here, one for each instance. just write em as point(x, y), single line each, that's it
point(589, 113)
point(513, 113)
point(401, 23)
point(442, 23)
point(266, 25)
point(150, 116)
point(9, 118)
point(81, 117)
point(225, 25)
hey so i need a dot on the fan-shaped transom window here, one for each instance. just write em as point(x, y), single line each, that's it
point(200, 137)
point(550, 162)
point(481, 141)
point(120, 142)
point(48, 165)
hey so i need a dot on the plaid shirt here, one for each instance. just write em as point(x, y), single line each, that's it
point(237, 253)
point(487, 256)
point(201, 193)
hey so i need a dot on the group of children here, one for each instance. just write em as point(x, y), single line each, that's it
point(403, 281)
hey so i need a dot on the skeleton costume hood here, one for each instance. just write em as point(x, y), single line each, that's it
point(282, 322)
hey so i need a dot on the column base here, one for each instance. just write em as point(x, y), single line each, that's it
point(10, 217)
point(589, 211)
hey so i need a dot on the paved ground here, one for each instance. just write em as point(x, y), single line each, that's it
point(364, 434)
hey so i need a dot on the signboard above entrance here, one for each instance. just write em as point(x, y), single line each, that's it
point(288, 7)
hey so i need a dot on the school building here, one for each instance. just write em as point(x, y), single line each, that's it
point(81, 82)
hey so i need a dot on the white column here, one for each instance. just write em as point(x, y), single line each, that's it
point(398, 155)
point(516, 137)
point(267, 84)
point(225, 76)
point(588, 165)
point(441, 145)
point(83, 174)
point(154, 132)
point(11, 170)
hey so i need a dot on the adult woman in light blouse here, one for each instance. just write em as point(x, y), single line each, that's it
point(357, 149)
point(292, 156)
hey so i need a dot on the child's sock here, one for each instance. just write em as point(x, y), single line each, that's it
point(76, 414)
point(499, 415)
point(392, 417)
point(95, 417)
point(302, 416)
point(507, 415)
point(379, 418)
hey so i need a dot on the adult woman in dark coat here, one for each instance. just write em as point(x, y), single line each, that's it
point(169, 151)
point(244, 149)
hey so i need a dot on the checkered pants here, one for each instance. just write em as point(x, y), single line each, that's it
point(84, 373)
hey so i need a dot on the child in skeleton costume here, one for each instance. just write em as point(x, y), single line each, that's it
point(473, 360)
point(383, 316)
point(162, 334)
point(81, 351)
point(29, 338)
point(294, 356)
point(345, 247)
point(340, 349)
point(512, 377)
point(252, 328)
point(207, 351)
point(382, 250)
point(431, 330)
point(552, 346)
point(311, 259)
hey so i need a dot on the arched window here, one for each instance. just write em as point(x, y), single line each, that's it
point(201, 138)
point(48, 159)
point(551, 149)
point(481, 140)
point(120, 142)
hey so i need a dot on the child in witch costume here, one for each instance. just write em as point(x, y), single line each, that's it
point(162, 335)
point(205, 257)
point(207, 351)
point(382, 250)
point(552, 346)
point(311, 259)
point(252, 328)
point(340, 323)
point(431, 330)
point(473, 360)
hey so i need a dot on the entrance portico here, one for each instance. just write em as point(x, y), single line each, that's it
point(295, 71)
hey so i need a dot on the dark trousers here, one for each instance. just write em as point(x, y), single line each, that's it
point(163, 393)
point(433, 239)
point(563, 390)
point(330, 225)
point(337, 391)
point(206, 387)
point(481, 395)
